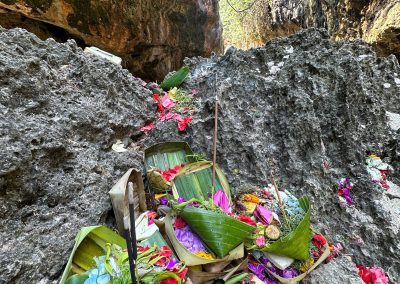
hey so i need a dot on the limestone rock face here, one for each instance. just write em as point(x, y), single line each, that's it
point(302, 106)
point(152, 37)
point(375, 21)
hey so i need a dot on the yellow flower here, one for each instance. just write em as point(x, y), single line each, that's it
point(172, 92)
point(250, 207)
point(204, 255)
point(307, 265)
point(251, 198)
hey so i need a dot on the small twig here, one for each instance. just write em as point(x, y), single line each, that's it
point(280, 203)
point(215, 148)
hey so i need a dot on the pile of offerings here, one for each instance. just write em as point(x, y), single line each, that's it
point(197, 230)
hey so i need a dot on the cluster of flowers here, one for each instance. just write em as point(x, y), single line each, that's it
point(372, 275)
point(173, 105)
point(152, 263)
point(344, 190)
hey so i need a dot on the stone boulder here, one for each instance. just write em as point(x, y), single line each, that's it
point(152, 37)
point(303, 107)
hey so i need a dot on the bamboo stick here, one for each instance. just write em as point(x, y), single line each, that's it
point(215, 146)
point(280, 203)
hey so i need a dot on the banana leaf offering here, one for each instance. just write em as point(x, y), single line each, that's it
point(189, 247)
point(195, 181)
point(163, 161)
point(100, 257)
point(280, 232)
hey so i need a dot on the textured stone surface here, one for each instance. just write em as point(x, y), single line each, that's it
point(60, 113)
point(375, 21)
point(288, 106)
point(339, 270)
point(152, 37)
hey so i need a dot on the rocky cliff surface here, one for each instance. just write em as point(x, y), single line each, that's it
point(294, 106)
point(152, 37)
point(375, 21)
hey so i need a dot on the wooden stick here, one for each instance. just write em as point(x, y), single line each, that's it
point(132, 264)
point(215, 147)
point(280, 203)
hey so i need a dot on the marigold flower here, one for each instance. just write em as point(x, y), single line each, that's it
point(251, 198)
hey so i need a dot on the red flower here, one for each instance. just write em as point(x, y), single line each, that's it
point(170, 173)
point(160, 108)
point(179, 223)
point(182, 124)
point(364, 273)
point(156, 98)
point(247, 219)
point(142, 249)
point(319, 241)
point(165, 252)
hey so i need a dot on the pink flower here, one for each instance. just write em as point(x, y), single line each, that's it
point(170, 115)
point(378, 275)
point(147, 127)
point(260, 241)
point(194, 92)
point(221, 200)
point(263, 214)
point(167, 102)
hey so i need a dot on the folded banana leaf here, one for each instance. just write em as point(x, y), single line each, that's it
point(190, 259)
point(220, 232)
point(195, 181)
point(89, 242)
point(163, 156)
point(119, 197)
point(296, 244)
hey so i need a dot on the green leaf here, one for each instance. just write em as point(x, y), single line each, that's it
point(195, 181)
point(296, 244)
point(220, 232)
point(90, 242)
point(236, 278)
point(153, 277)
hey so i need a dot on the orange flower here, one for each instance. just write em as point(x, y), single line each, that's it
point(251, 198)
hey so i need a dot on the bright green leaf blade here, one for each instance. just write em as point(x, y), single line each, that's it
point(296, 244)
point(220, 232)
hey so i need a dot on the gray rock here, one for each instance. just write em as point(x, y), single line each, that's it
point(60, 114)
point(339, 270)
point(63, 111)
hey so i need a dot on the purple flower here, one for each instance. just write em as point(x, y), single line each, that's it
point(258, 270)
point(263, 214)
point(181, 200)
point(289, 273)
point(171, 264)
point(221, 200)
point(163, 201)
point(189, 239)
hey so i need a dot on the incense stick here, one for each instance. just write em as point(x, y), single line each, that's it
point(129, 248)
